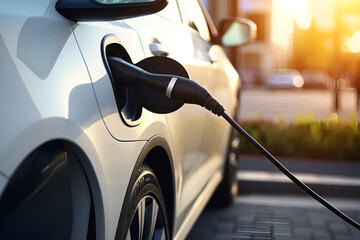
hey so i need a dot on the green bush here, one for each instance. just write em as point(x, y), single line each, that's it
point(305, 138)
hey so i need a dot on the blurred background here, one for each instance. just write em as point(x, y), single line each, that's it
point(300, 85)
point(301, 77)
point(322, 35)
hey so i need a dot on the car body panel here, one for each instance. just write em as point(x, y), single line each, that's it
point(70, 113)
point(89, 37)
point(56, 87)
point(186, 124)
point(193, 139)
point(24, 74)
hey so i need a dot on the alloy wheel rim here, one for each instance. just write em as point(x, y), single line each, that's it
point(147, 222)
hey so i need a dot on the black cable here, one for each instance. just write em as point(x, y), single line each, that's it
point(187, 91)
point(289, 174)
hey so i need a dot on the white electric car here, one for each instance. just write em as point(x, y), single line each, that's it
point(83, 157)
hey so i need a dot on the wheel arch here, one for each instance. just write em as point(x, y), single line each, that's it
point(75, 151)
point(157, 155)
point(71, 154)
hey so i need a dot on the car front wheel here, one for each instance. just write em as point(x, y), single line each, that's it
point(146, 208)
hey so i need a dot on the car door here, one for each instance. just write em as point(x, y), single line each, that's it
point(222, 82)
point(186, 39)
point(225, 88)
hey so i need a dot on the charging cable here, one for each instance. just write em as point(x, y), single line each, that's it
point(291, 176)
point(187, 91)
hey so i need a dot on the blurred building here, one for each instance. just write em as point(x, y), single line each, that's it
point(275, 21)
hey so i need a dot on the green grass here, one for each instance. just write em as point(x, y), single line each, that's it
point(305, 138)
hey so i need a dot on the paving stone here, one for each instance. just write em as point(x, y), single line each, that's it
point(302, 232)
point(345, 238)
point(355, 232)
point(225, 227)
point(250, 221)
point(282, 231)
point(282, 237)
point(201, 232)
point(321, 238)
point(223, 237)
point(321, 233)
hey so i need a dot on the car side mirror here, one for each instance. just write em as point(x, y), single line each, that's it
point(236, 32)
point(105, 10)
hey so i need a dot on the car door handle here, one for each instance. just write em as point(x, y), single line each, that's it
point(157, 49)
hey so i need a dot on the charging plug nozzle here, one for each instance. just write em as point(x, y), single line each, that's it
point(178, 88)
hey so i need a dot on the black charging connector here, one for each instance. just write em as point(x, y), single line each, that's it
point(187, 91)
point(175, 87)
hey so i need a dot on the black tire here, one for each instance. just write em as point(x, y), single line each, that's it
point(228, 188)
point(144, 212)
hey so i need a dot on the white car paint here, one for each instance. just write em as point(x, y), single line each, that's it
point(55, 86)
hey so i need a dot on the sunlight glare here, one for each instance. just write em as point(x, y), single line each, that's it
point(301, 11)
point(284, 14)
point(282, 26)
point(353, 44)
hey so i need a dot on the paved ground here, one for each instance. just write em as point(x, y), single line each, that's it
point(271, 207)
point(277, 217)
point(316, 166)
point(256, 174)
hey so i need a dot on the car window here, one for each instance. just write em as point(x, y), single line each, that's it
point(196, 19)
point(171, 12)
